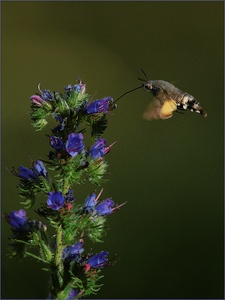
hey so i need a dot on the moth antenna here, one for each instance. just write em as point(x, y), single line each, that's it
point(144, 74)
point(141, 79)
point(127, 93)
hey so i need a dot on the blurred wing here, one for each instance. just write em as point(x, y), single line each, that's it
point(157, 110)
point(153, 110)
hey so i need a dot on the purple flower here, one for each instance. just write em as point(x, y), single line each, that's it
point(62, 124)
point(99, 106)
point(55, 200)
point(46, 95)
point(17, 219)
point(69, 196)
point(98, 260)
point(68, 88)
point(98, 149)
point(74, 251)
point(31, 174)
point(59, 118)
point(81, 87)
point(90, 203)
point(105, 207)
point(38, 100)
point(72, 294)
point(26, 173)
point(56, 142)
point(40, 168)
point(74, 144)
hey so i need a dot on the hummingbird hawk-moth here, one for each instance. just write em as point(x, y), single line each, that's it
point(167, 99)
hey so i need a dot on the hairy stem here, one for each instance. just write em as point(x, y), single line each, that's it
point(57, 265)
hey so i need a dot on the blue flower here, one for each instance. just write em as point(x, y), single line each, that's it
point(69, 196)
point(26, 173)
point(73, 252)
point(98, 149)
point(62, 124)
point(56, 142)
point(55, 200)
point(90, 203)
point(59, 118)
point(99, 106)
point(31, 174)
point(98, 260)
point(101, 209)
point(17, 219)
point(40, 168)
point(81, 87)
point(105, 207)
point(72, 294)
point(74, 144)
point(46, 95)
point(68, 88)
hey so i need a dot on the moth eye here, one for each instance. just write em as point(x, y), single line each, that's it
point(147, 86)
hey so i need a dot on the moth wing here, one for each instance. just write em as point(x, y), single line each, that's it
point(152, 112)
point(158, 110)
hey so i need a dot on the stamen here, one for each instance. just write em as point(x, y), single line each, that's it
point(39, 88)
point(96, 199)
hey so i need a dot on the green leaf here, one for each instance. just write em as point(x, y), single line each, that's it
point(96, 170)
point(76, 99)
point(99, 124)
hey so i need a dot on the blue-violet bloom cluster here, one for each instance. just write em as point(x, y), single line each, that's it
point(76, 157)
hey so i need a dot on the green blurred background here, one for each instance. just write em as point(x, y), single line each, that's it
point(169, 236)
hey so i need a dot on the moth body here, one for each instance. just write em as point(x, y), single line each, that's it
point(168, 99)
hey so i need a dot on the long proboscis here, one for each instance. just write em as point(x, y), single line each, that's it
point(136, 87)
point(128, 92)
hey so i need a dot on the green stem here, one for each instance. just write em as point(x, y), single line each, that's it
point(57, 266)
point(59, 246)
